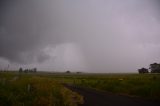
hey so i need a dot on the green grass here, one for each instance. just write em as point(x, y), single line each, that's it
point(47, 89)
point(34, 90)
point(140, 85)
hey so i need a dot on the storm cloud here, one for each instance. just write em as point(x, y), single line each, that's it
point(85, 35)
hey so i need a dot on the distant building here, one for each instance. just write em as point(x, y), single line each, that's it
point(143, 70)
point(155, 68)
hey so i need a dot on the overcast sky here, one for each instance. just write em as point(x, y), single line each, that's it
point(79, 35)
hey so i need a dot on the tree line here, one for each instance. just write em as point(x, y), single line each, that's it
point(33, 70)
point(154, 68)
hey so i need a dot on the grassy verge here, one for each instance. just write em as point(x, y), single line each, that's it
point(34, 90)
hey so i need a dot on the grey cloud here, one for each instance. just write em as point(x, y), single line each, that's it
point(22, 30)
point(107, 33)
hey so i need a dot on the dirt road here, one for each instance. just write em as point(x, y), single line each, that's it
point(97, 98)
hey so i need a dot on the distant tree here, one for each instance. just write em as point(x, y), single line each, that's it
point(78, 72)
point(30, 70)
point(143, 70)
point(20, 69)
point(26, 70)
point(68, 71)
point(155, 68)
point(34, 69)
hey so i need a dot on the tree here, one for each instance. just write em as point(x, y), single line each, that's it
point(20, 69)
point(155, 68)
point(34, 69)
point(143, 70)
point(26, 70)
point(68, 71)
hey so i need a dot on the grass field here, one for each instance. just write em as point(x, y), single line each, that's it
point(34, 90)
point(46, 89)
point(138, 85)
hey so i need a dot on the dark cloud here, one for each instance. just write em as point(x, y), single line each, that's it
point(23, 26)
point(101, 35)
